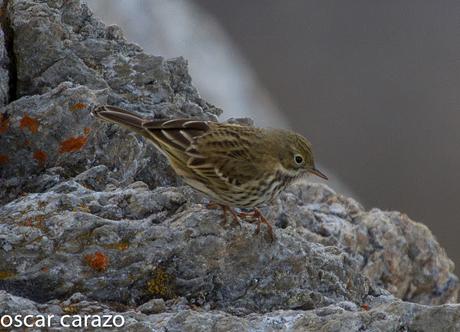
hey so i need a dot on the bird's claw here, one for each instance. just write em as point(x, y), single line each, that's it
point(225, 209)
point(256, 214)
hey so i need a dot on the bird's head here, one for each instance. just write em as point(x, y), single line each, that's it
point(297, 156)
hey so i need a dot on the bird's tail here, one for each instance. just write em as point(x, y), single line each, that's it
point(120, 116)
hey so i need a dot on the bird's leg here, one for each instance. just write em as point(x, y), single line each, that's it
point(225, 209)
point(260, 220)
point(233, 213)
point(246, 214)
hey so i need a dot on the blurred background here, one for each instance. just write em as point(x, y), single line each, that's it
point(375, 85)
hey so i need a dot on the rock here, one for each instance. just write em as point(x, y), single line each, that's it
point(387, 245)
point(132, 244)
point(390, 315)
point(154, 306)
point(66, 62)
point(93, 220)
point(4, 76)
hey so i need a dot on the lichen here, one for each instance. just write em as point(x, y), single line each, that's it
point(6, 274)
point(121, 246)
point(41, 157)
point(82, 208)
point(70, 309)
point(36, 221)
point(4, 159)
point(97, 261)
point(77, 107)
point(4, 122)
point(161, 284)
point(30, 123)
point(73, 144)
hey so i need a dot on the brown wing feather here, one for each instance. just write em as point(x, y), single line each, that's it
point(177, 132)
point(120, 116)
point(224, 155)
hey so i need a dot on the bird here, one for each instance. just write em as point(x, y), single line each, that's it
point(237, 166)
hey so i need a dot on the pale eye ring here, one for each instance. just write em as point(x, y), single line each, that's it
point(298, 159)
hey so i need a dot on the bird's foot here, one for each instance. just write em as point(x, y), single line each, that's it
point(260, 219)
point(225, 210)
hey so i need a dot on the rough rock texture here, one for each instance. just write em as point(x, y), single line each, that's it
point(158, 243)
point(4, 59)
point(177, 315)
point(4, 77)
point(93, 221)
point(396, 253)
point(66, 61)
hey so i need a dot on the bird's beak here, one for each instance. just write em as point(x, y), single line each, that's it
point(318, 173)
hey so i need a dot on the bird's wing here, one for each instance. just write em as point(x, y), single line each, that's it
point(224, 155)
point(176, 133)
point(121, 117)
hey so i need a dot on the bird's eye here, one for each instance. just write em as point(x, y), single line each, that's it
point(298, 159)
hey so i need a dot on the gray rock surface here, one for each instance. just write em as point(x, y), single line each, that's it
point(161, 243)
point(392, 250)
point(386, 315)
point(67, 61)
point(93, 220)
point(4, 77)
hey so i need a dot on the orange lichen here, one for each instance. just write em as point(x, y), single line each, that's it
point(73, 144)
point(28, 122)
point(40, 156)
point(97, 261)
point(4, 122)
point(36, 221)
point(86, 130)
point(365, 306)
point(78, 107)
point(4, 159)
point(45, 269)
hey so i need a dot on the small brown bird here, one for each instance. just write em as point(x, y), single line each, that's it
point(237, 166)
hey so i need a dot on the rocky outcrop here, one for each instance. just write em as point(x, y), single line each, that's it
point(94, 221)
point(67, 61)
point(176, 315)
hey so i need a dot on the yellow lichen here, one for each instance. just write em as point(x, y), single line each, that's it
point(83, 208)
point(6, 274)
point(123, 245)
point(70, 309)
point(161, 284)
